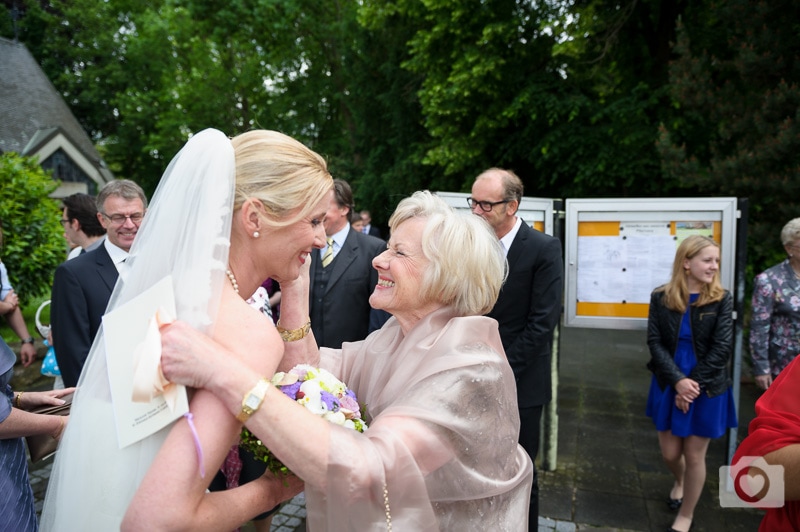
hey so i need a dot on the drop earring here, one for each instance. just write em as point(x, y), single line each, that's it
point(256, 234)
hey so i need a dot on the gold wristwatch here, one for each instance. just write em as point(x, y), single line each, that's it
point(252, 400)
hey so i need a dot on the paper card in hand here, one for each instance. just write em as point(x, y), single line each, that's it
point(126, 333)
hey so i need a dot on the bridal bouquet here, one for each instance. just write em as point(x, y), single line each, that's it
point(321, 393)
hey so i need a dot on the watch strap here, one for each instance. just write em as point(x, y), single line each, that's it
point(252, 400)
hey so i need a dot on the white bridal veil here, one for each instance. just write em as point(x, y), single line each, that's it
point(185, 233)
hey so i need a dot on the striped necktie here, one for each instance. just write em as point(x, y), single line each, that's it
point(327, 258)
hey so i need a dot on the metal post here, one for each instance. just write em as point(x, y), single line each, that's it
point(738, 306)
point(549, 427)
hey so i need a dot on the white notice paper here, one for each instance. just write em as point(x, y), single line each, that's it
point(124, 329)
point(623, 269)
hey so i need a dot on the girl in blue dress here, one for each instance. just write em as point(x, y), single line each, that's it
point(690, 337)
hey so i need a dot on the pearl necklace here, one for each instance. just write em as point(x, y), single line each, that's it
point(233, 280)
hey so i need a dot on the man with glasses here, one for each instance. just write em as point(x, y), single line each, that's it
point(529, 306)
point(83, 286)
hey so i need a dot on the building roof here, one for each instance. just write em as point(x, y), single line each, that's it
point(33, 112)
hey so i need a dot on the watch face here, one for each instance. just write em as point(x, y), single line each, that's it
point(252, 401)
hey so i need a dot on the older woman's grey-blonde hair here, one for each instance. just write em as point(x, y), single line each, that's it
point(790, 232)
point(467, 265)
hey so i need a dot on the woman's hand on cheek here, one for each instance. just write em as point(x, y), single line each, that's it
point(298, 287)
point(187, 356)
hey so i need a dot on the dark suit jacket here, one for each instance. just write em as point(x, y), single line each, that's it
point(374, 231)
point(529, 309)
point(81, 290)
point(345, 303)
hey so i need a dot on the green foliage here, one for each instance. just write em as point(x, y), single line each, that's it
point(32, 241)
point(583, 98)
point(29, 315)
point(738, 92)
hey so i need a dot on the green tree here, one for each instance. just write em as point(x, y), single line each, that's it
point(569, 94)
point(32, 245)
point(736, 86)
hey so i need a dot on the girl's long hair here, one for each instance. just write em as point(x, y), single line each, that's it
point(676, 291)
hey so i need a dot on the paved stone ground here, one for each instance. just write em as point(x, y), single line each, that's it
point(609, 475)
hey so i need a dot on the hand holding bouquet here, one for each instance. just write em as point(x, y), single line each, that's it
point(321, 393)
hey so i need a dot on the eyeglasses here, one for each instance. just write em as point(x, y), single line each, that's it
point(485, 206)
point(64, 221)
point(119, 219)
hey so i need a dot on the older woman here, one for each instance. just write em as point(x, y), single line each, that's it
point(775, 322)
point(227, 215)
point(441, 452)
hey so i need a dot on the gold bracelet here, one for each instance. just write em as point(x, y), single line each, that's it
point(294, 334)
point(18, 400)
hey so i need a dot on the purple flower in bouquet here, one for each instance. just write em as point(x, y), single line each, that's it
point(321, 393)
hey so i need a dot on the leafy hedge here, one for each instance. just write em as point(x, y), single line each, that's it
point(32, 244)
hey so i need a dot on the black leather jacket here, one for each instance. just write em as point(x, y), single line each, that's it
point(712, 336)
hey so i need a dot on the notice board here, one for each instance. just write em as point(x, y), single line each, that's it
point(536, 212)
point(618, 250)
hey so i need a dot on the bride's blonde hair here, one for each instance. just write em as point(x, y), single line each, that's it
point(280, 172)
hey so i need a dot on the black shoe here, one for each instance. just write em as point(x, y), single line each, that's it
point(674, 504)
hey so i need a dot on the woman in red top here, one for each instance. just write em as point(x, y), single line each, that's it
point(774, 434)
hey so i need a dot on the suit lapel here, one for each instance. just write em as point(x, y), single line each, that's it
point(316, 262)
point(517, 245)
point(106, 269)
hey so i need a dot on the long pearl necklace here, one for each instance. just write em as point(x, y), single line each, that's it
point(233, 280)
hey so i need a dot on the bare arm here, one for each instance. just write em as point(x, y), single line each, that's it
point(789, 458)
point(193, 358)
point(16, 321)
point(173, 494)
point(295, 314)
point(9, 303)
point(301, 444)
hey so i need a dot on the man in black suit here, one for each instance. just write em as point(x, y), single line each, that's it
point(83, 286)
point(80, 223)
point(342, 276)
point(529, 306)
point(368, 228)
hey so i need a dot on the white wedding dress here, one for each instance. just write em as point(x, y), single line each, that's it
point(185, 233)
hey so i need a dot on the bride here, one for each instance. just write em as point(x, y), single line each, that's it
point(227, 215)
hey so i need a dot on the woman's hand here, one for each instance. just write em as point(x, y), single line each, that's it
point(682, 404)
point(281, 487)
point(687, 389)
point(188, 356)
point(763, 381)
point(297, 288)
point(12, 300)
point(31, 400)
point(27, 354)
